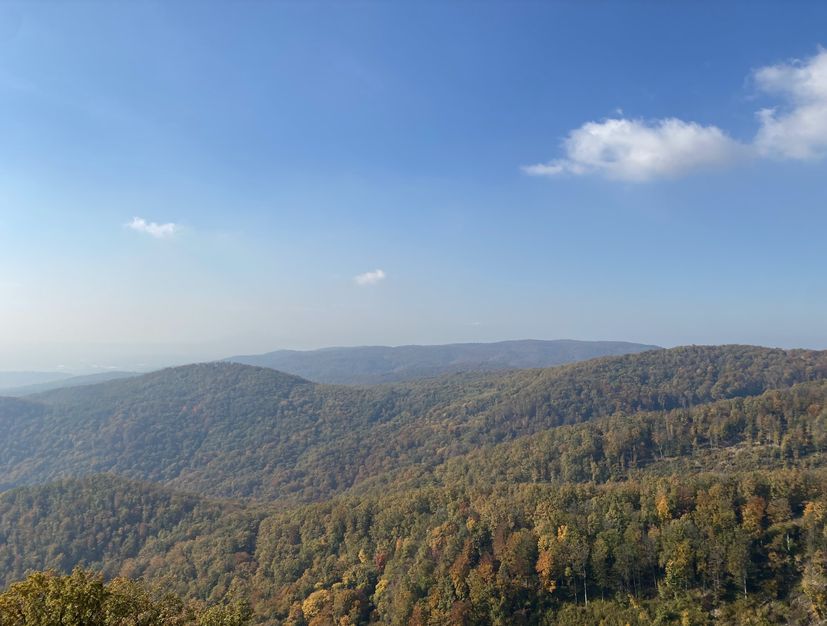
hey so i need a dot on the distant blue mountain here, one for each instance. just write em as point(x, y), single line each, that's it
point(382, 364)
point(19, 379)
point(66, 381)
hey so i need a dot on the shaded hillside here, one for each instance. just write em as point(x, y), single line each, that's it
point(13, 409)
point(121, 527)
point(101, 521)
point(220, 428)
point(382, 364)
point(232, 430)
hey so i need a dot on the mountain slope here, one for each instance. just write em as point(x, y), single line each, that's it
point(224, 429)
point(383, 364)
point(123, 528)
point(507, 534)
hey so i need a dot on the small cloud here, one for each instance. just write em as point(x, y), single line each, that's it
point(636, 150)
point(369, 278)
point(546, 169)
point(154, 229)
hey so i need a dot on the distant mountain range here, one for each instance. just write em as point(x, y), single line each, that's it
point(10, 380)
point(367, 365)
point(64, 381)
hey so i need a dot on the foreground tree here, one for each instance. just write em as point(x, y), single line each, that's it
point(83, 599)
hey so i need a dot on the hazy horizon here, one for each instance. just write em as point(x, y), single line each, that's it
point(143, 358)
point(296, 176)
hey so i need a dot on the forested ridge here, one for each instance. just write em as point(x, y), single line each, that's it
point(366, 365)
point(684, 486)
point(231, 430)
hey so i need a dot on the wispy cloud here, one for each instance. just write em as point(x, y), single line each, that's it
point(154, 229)
point(369, 278)
point(641, 150)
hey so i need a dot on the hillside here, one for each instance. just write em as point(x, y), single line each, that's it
point(229, 430)
point(103, 522)
point(382, 364)
point(579, 524)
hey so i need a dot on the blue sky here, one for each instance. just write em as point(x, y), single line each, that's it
point(312, 174)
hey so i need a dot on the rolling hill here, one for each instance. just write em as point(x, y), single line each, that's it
point(714, 513)
point(230, 430)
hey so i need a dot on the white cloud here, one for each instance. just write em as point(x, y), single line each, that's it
point(640, 150)
point(635, 150)
point(799, 129)
point(159, 231)
point(369, 278)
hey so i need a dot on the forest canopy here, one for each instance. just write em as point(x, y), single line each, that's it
point(683, 486)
